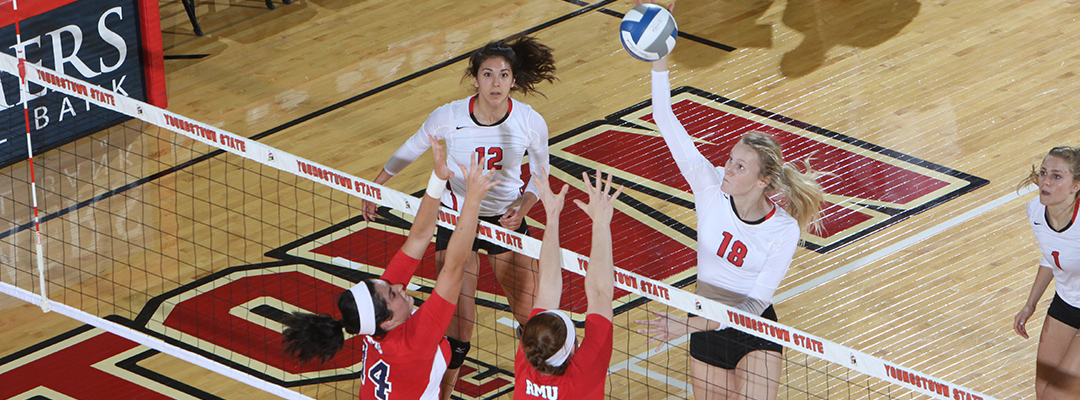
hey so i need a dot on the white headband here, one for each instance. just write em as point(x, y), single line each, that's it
point(560, 356)
point(362, 296)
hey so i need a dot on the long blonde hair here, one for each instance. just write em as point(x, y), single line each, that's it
point(1071, 155)
point(803, 194)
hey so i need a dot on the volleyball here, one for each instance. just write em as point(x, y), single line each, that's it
point(648, 32)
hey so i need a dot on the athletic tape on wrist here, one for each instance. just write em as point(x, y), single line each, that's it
point(435, 187)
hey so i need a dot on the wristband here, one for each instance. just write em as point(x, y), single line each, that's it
point(435, 187)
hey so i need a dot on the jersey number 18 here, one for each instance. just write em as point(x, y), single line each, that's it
point(737, 253)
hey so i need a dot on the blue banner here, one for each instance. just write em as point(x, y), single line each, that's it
point(93, 40)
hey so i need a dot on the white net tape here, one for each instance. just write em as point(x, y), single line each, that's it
point(635, 283)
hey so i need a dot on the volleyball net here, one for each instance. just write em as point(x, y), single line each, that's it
point(195, 241)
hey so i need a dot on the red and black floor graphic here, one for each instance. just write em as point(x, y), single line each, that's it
point(867, 188)
point(87, 363)
point(233, 316)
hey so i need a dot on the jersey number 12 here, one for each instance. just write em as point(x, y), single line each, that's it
point(737, 253)
point(496, 154)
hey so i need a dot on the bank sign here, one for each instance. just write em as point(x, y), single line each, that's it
point(94, 40)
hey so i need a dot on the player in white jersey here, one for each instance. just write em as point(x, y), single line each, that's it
point(502, 130)
point(1053, 218)
point(405, 354)
point(745, 245)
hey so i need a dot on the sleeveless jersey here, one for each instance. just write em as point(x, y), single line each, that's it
point(503, 146)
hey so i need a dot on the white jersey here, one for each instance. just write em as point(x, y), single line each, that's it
point(1060, 251)
point(503, 146)
point(747, 258)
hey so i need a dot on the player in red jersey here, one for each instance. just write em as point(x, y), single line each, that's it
point(405, 352)
point(1053, 219)
point(545, 366)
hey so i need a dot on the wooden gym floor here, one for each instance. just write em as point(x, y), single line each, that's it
point(977, 86)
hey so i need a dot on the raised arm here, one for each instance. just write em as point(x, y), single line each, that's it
point(424, 224)
point(600, 278)
point(549, 286)
point(477, 183)
point(414, 147)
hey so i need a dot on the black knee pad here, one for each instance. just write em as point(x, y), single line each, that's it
point(458, 351)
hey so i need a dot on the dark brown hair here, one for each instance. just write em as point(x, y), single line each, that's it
point(541, 337)
point(319, 336)
point(530, 61)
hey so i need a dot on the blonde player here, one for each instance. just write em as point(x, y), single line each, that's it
point(745, 246)
point(502, 130)
point(405, 352)
point(549, 364)
point(1052, 217)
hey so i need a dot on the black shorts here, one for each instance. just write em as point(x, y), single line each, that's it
point(442, 237)
point(724, 348)
point(1062, 311)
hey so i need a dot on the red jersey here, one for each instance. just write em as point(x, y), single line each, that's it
point(409, 362)
point(585, 377)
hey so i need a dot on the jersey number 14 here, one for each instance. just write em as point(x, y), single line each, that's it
point(737, 253)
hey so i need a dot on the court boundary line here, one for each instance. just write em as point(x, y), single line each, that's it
point(599, 6)
point(630, 364)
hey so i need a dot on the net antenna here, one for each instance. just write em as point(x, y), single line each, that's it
point(20, 52)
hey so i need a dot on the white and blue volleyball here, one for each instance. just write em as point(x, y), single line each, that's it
point(648, 32)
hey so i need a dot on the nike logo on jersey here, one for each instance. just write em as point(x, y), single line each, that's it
point(461, 127)
point(1037, 223)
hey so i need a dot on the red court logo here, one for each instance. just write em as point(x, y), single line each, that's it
point(87, 363)
point(867, 188)
point(233, 317)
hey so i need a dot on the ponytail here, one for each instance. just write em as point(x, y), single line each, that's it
point(319, 336)
point(541, 337)
point(312, 336)
point(530, 61)
point(802, 194)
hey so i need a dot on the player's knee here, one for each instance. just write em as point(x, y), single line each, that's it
point(458, 351)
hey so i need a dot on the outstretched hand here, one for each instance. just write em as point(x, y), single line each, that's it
point(664, 328)
point(478, 180)
point(601, 204)
point(438, 152)
point(553, 202)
